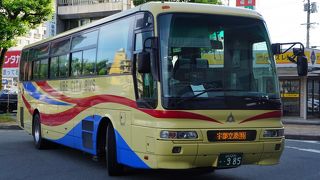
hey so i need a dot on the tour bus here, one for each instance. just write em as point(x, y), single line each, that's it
point(159, 86)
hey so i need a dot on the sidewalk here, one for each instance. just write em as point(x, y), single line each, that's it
point(9, 125)
point(299, 120)
point(299, 128)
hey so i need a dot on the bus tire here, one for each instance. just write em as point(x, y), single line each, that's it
point(114, 168)
point(39, 142)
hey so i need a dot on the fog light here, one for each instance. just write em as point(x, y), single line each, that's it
point(273, 133)
point(178, 134)
point(176, 150)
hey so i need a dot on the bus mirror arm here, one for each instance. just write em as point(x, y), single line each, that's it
point(291, 59)
point(277, 48)
point(150, 43)
point(298, 54)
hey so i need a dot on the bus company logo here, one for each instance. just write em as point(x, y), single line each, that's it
point(230, 118)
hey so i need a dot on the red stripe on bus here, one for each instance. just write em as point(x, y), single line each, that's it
point(48, 89)
point(58, 118)
point(84, 103)
point(273, 114)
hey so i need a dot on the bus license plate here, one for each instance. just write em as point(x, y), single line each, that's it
point(229, 160)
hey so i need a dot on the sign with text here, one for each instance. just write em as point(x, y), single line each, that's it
point(10, 72)
point(246, 3)
point(283, 58)
point(12, 59)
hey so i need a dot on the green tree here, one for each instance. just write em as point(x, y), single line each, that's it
point(17, 17)
point(207, 1)
point(138, 2)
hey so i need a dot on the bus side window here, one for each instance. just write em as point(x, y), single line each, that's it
point(76, 64)
point(35, 69)
point(89, 61)
point(114, 48)
point(54, 67)
point(30, 64)
point(43, 70)
point(23, 65)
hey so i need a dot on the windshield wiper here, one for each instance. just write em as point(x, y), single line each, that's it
point(199, 94)
point(205, 91)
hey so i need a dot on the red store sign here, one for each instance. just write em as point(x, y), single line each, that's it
point(12, 59)
point(246, 3)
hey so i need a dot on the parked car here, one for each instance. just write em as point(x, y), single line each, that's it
point(8, 98)
point(315, 105)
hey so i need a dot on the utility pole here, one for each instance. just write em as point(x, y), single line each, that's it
point(309, 8)
point(308, 23)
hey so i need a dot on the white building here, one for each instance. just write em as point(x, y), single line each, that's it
point(33, 36)
point(74, 13)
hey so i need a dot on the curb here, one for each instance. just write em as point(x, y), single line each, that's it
point(301, 123)
point(9, 127)
point(302, 137)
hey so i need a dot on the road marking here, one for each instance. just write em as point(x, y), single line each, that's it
point(311, 142)
point(302, 149)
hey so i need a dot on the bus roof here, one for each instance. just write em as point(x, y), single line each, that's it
point(157, 8)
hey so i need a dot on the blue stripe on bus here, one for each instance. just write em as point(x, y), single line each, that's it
point(32, 91)
point(74, 138)
point(125, 154)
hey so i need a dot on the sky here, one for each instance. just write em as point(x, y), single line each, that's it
point(284, 19)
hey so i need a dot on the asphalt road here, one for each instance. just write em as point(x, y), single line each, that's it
point(20, 160)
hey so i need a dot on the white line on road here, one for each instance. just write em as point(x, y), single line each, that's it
point(311, 142)
point(302, 149)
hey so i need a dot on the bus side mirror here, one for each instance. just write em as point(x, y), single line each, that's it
point(302, 65)
point(144, 65)
point(276, 48)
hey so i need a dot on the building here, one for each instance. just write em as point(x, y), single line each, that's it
point(74, 13)
point(68, 14)
point(33, 36)
point(10, 70)
point(300, 95)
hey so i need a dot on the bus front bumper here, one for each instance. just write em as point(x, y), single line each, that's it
point(200, 154)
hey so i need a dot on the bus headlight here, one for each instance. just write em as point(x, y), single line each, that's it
point(273, 133)
point(178, 134)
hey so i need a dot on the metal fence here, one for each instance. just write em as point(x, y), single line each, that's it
point(83, 2)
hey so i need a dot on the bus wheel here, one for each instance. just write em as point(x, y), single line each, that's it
point(114, 168)
point(39, 142)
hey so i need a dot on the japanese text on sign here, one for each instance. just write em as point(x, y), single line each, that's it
point(10, 72)
point(12, 59)
point(246, 3)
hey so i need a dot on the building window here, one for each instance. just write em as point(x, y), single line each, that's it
point(290, 95)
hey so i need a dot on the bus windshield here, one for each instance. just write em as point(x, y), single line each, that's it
point(216, 62)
